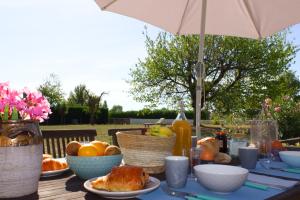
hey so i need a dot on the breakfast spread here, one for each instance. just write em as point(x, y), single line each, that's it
point(94, 148)
point(122, 179)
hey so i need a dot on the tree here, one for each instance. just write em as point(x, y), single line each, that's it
point(238, 70)
point(94, 105)
point(104, 105)
point(52, 90)
point(116, 109)
point(79, 96)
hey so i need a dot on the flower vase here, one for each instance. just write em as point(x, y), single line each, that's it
point(21, 150)
point(262, 133)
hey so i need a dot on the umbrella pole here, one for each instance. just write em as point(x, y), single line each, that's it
point(200, 70)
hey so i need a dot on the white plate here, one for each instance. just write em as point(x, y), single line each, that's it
point(151, 185)
point(55, 172)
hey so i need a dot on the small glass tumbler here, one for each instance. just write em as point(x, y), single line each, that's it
point(195, 153)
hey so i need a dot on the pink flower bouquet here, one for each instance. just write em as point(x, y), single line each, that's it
point(24, 104)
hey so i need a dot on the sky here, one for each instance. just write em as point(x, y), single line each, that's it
point(79, 43)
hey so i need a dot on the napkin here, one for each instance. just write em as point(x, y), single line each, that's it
point(271, 180)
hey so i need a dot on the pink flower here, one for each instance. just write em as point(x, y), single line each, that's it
point(277, 109)
point(30, 105)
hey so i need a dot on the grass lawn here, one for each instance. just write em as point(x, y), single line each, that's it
point(101, 129)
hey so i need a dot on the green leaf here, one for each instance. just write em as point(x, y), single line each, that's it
point(6, 112)
point(14, 115)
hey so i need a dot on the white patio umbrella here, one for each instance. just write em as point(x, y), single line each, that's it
point(243, 18)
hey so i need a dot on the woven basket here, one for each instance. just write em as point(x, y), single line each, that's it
point(145, 151)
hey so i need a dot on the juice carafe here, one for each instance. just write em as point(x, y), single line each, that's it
point(183, 130)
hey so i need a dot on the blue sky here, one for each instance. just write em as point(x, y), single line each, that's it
point(78, 42)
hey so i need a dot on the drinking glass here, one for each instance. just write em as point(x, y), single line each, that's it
point(195, 153)
point(176, 171)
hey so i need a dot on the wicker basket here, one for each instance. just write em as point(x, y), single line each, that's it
point(145, 151)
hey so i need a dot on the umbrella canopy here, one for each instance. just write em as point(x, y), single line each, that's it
point(243, 18)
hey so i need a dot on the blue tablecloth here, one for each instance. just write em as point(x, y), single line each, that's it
point(244, 193)
point(276, 164)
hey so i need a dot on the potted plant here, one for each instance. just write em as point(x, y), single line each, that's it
point(21, 146)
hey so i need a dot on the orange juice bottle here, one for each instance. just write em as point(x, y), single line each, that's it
point(183, 130)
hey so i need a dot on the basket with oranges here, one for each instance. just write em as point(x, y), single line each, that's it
point(94, 148)
point(92, 159)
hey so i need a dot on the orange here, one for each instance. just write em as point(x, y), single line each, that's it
point(87, 150)
point(100, 146)
point(207, 155)
point(276, 144)
point(72, 148)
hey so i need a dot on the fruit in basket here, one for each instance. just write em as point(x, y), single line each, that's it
point(72, 148)
point(161, 131)
point(100, 146)
point(94, 148)
point(87, 150)
point(112, 150)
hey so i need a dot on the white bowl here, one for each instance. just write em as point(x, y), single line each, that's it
point(291, 158)
point(221, 178)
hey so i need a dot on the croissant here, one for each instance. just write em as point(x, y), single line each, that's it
point(122, 179)
point(51, 164)
point(46, 156)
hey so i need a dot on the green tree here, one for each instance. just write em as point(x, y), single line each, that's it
point(116, 109)
point(79, 96)
point(104, 105)
point(52, 90)
point(239, 71)
point(94, 102)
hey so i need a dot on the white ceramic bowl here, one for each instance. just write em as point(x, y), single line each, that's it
point(291, 158)
point(221, 178)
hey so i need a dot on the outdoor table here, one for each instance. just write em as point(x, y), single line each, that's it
point(69, 186)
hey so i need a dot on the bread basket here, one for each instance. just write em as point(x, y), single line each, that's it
point(145, 151)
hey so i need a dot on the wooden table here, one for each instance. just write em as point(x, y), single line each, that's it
point(69, 186)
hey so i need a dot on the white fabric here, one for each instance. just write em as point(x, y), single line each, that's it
point(243, 18)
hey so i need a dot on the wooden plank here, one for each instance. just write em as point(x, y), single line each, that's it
point(53, 149)
point(58, 147)
point(48, 145)
point(66, 195)
point(64, 145)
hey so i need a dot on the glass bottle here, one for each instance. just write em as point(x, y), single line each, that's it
point(183, 130)
point(222, 139)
